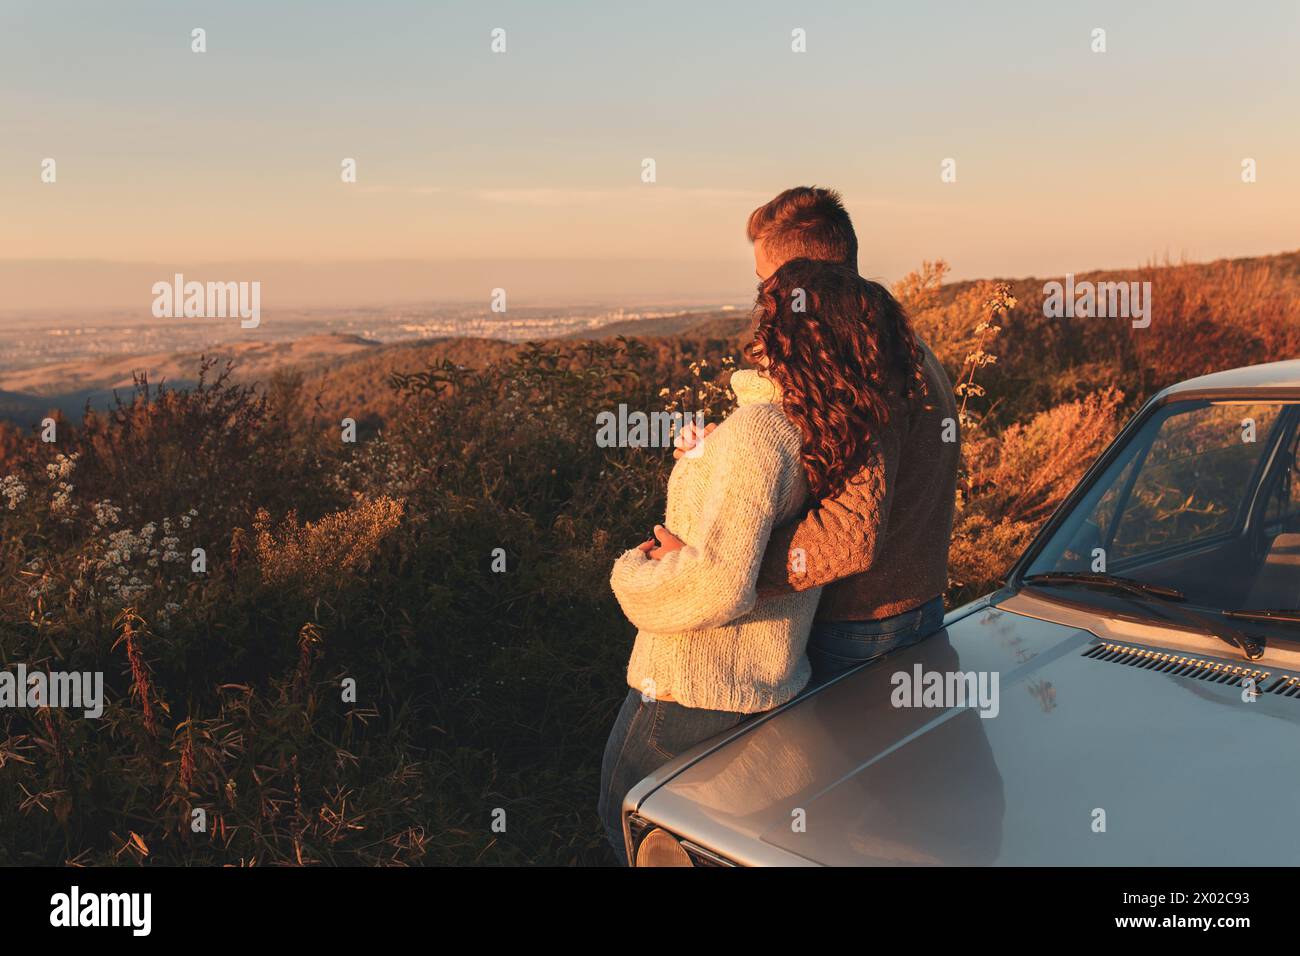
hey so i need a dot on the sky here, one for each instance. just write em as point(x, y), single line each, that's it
point(527, 165)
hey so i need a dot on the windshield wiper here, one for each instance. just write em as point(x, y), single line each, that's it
point(1278, 615)
point(1252, 647)
point(1113, 581)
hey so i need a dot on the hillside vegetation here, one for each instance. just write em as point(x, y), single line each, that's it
point(403, 649)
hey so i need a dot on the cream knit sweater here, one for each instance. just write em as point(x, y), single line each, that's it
point(704, 637)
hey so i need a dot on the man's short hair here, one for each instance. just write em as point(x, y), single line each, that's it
point(805, 222)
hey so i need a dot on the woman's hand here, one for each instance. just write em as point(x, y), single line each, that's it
point(667, 543)
point(690, 437)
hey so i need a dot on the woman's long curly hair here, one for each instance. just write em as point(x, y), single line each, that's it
point(844, 354)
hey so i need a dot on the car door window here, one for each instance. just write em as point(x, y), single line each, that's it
point(1284, 503)
point(1195, 478)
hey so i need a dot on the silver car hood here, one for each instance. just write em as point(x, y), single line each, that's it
point(1088, 761)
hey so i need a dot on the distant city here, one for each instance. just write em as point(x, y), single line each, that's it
point(32, 339)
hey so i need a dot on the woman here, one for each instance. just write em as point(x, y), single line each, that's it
point(709, 653)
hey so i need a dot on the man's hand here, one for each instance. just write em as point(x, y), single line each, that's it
point(667, 543)
point(689, 437)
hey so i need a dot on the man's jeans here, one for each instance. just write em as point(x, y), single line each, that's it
point(834, 648)
point(646, 735)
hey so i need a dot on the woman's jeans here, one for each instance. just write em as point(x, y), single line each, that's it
point(834, 648)
point(646, 735)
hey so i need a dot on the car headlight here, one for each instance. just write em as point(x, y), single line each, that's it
point(661, 848)
point(667, 849)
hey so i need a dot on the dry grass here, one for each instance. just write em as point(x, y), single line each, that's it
point(1013, 481)
point(327, 550)
point(370, 565)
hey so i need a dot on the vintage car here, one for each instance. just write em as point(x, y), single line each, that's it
point(1130, 696)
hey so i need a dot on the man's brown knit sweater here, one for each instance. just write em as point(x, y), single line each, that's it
point(881, 547)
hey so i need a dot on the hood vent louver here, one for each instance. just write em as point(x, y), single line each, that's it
point(1195, 668)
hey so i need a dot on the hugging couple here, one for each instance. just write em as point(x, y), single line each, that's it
point(808, 533)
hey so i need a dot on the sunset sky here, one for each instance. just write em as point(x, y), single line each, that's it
point(1066, 159)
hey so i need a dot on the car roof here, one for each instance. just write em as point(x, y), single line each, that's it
point(1271, 375)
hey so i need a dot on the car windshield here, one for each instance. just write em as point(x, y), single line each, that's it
point(1201, 502)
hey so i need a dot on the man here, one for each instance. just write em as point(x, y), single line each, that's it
point(876, 546)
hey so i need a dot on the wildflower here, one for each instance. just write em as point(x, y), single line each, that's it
point(13, 490)
point(62, 466)
point(61, 502)
point(105, 514)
